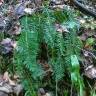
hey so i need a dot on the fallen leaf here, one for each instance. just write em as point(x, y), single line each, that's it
point(14, 44)
point(41, 92)
point(15, 30)
point(29, 10)
point(6, 77)
point(17, 89)
point(90, 72)
point(6, 88)
point(7, 45)
point(19, 9)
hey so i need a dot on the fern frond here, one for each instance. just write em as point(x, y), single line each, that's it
point(38, 29)
point(49, 30)
point(28, 46)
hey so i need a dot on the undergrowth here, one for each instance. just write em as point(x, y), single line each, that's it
point(60, 51)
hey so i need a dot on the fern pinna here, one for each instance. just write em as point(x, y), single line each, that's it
point(61, 49)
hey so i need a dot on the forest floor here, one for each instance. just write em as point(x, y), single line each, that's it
point(11, 14)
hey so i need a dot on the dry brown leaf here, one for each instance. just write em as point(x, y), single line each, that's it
point(11, 82)
point(16, 29)
point(6, 76)
point(7, 79)
point(7, 45)
point(90, 72)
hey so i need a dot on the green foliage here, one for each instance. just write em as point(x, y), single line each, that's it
point(28, 46)
point(75, 75)
point(27, 51)
point(37, 29)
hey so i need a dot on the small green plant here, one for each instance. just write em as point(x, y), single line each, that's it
point(60, 48)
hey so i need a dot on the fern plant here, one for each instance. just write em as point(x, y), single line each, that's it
point(37, 29)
